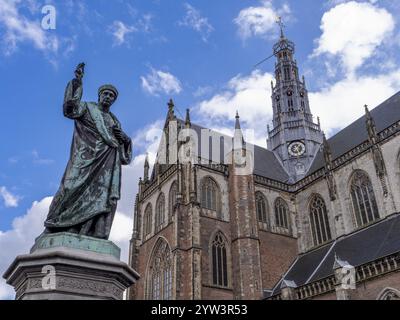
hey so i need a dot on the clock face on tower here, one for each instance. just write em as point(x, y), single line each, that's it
point(296, 148)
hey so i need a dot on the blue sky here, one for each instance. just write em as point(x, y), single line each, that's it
point(200, 53)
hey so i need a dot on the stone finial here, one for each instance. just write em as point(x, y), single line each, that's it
point(171, 104)
point(327, 151)
point(237, 123)
point(171, 112)
point(371, 128)
point(238, 135)
point(368, 114)
point(339, 263)
point(146, 168)
point(187, 120)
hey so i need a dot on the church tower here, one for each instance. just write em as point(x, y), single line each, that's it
point(295, 138)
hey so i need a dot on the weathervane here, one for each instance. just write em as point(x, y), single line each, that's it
point(281, 25)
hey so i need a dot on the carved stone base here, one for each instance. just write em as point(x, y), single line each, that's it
point(66, 266)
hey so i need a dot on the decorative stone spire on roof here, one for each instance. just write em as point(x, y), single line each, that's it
point(187, 120)
point(146, 168)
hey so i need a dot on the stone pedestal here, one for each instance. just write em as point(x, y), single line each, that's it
point(66, 266)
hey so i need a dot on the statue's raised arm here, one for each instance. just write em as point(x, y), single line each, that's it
point(73, 94)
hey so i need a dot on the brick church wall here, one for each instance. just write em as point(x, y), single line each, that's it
point(277, 253)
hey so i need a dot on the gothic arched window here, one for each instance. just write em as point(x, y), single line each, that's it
point(261, 207)
point(159, 277)
point(209, 194)
point(363, 199)
point(219, 261)
point(173, 193)
point(160, 212)
point(287, 73)
point(389, 294)
point(281, 213)
point(147, 220)
point(319, 221)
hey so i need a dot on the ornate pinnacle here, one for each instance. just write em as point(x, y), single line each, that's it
point(187, 120)
point(327, 152)
point(372, 135)
point(237, 124)
point(146, 168)
point(171, 104)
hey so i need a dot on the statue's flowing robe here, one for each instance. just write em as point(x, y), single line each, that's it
point(92, 180)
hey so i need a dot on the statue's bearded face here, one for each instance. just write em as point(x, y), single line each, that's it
point(107, 98)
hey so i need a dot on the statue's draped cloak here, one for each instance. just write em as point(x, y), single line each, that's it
point(92, 180)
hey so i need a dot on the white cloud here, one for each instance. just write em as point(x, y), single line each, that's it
point(202, 91)
point(343, 102)
point(157, 82)
point(20, 239)
point(144, 23)
point(260, 21)
point(353, 31)
point(194, 20)
point(13, 160)
point(10, 200)
point(147, 140)
point(139, 24)
point(19, 28)
point(119, 30)
point(121, 233)
point(250, 95)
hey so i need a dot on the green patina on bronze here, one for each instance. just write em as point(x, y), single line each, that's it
point(75, 241)
point(90, 188)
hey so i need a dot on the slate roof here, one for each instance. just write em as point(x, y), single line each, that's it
point(265, 162)
point(384, 115)
point(362, 246)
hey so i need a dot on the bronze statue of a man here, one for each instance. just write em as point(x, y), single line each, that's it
point(90, 188)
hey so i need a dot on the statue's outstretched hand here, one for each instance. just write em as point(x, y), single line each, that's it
point(80, 71)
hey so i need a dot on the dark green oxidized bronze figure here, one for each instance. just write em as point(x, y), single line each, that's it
point(90, 188)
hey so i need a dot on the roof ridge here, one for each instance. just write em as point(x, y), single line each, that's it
point(321, 262)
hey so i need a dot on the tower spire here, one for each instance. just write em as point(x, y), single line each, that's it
point(294, 138)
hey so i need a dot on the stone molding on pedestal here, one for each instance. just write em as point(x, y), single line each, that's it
point(67, 266)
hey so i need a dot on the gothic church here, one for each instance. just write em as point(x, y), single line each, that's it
point(315, 218)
